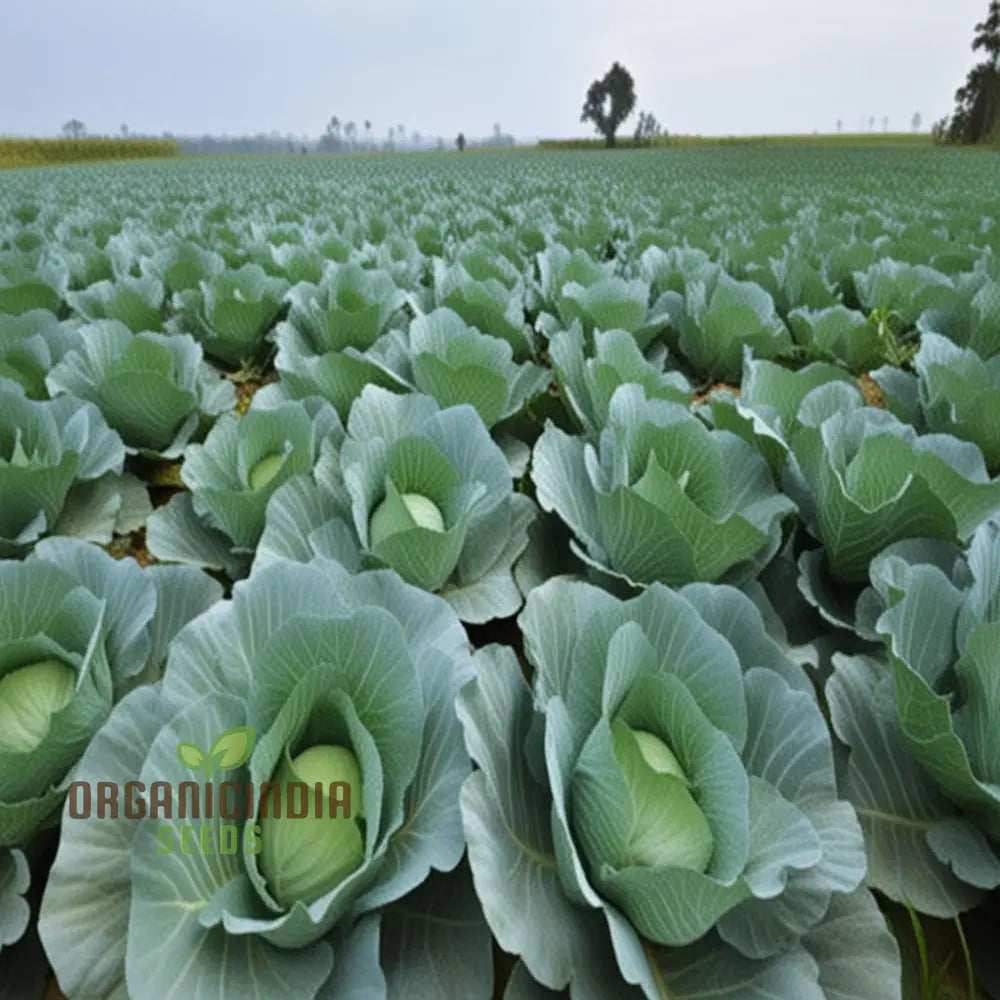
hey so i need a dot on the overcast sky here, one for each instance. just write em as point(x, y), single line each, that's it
point(713, 67)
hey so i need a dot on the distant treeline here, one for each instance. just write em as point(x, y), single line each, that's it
point(873, 139)
point(42, 152)
point(339, 140)
point(226, 145)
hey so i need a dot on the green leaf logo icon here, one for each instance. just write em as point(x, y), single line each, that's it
point(231, 749)
point(191, 756)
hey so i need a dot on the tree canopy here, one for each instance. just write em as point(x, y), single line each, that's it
point(609, 102)
point(976, 117)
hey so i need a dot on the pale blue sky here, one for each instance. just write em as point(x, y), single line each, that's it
point(244, 66)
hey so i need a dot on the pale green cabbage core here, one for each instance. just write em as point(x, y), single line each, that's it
point(29, 697)
point(303, 858)
point(669, 828)
point(420, 513)
point(265, 470)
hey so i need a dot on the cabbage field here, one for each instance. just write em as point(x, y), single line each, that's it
point(519, 575)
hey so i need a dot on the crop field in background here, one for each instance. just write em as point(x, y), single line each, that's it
point(46, 152)
point(570, 493)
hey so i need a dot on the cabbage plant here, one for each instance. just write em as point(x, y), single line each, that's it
point(349, 307)
point(659, 496)
point(863, 479)
point(904, 289)
point(23, 288)
point(578, 289)
point(154, 389)
point(61, 473)
point(348, 681)
point(657, 814)
point(775, 402)
point(334, 334)
point(919, 722)
point(492, 305)
point(838, 333)
point(235, 310)
point(417, 489)
point(30, 344)
point(973, 319)
point(182, 266)
point(954, 392)
point(717, 317)
point(586, 384)
point(78, 630)
point(231, 477)
point(136, 302)
point(445, 358)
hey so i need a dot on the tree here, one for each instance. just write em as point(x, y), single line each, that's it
point(916, 121)
point(368, 132)
point(609, 102)
point(885, 123)
point(124, 130)
point(460, 142)
point(350, 131)
point(871, 123)
point(976, 117)
point(74, 129)
point(840, 125)
point(647, 129)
